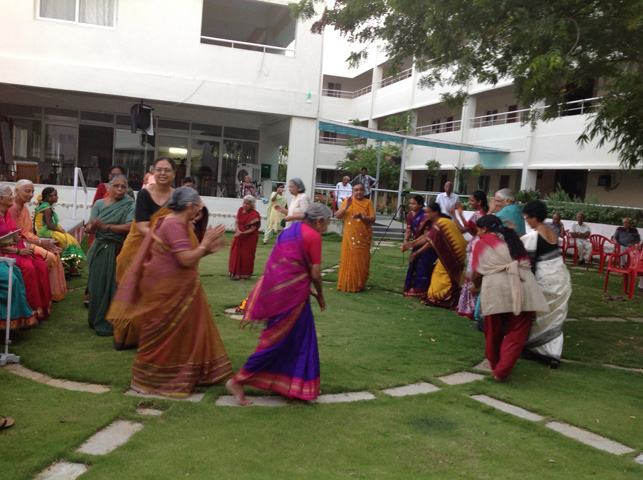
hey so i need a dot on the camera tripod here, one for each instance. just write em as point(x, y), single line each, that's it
point(401, 209)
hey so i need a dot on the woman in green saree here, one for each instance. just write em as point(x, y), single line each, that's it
point(110, 222)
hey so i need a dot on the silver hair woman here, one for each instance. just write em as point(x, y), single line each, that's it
point(286, 359)
point(503, 205)
point(179, 345)
point(244, 243)
point(300, 202)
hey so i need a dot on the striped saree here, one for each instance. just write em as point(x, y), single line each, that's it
point(179, 345)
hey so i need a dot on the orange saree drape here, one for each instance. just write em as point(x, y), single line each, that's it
point(355, 262)
point(179, 345)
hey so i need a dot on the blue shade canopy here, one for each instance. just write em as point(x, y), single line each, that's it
point(363, 132)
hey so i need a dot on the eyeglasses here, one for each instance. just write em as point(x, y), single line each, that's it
point(163, 170)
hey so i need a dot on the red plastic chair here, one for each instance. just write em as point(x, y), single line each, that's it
point(598, 248)
point(570, 243)
point(632, 269)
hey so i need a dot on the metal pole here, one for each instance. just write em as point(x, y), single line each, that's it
point(401, 185)
point(377, 174)
point(75, 202)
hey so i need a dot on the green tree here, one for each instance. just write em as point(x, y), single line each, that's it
point(547, 47)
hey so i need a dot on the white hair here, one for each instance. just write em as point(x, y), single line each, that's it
point(23, 183)
point(251, 199)
point(4, 189)
point(506, 194)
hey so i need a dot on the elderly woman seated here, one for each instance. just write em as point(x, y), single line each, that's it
point(244, 244)
point(110, 222)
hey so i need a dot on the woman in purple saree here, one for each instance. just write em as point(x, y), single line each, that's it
point(286, 360)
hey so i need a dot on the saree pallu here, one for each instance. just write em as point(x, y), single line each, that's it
point(57, 282)
point(355, 260)
point(179, 345)
point(101, 262)
point(468, 300)
point(21, 313)
point(418, 276)
point(546, 333)
point(286, 359)
point(34, 273)
point(71, 254)
point(133, 243)
point(244, 247)
point(450, 246)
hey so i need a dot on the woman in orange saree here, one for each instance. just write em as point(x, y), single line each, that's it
point(355, 261)
point(179, 344)
point(46, 249)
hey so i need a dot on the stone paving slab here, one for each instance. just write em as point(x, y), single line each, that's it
point(589, 438)
point(230, 310)
point(236, 316)
point(328, 270)
point(55, 382)
point(110, 438)
point(482, 366)
point(149, 411)
point(414, 389)
point(635, 319)
point(263, 401)
point(345, 397)
point(606, 319)
point(193, 397)
point(571, 319)
point(508, 408)
point(639, 459)
point(461, 377)
point(62, 471)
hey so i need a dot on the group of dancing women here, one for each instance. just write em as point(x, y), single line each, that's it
point(515, 286)
point(142, 250)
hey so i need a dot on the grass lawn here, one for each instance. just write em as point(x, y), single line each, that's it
point(368, 341)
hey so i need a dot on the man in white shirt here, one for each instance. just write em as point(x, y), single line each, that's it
point(580, 232)
point(343, 190)
point(448, 200)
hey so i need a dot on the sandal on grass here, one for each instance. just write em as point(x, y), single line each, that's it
point(607, 297)
point(620, 299)
point(6, 422)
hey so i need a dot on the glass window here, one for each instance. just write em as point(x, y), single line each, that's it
point(24, 111)
point(174, 126)
point(204, 168)
point(207, 130)
point(241, 133)
point(95, 153)
point(87, 12)
point(60, 155)
point(26, 139)
point(97, 117)
point(135, 151)
point(61, 114)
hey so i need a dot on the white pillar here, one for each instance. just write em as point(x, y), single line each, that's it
point(301, 151)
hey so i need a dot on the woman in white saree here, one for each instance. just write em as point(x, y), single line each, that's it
point(545, 341)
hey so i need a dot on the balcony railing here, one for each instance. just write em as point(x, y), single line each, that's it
point(346, 94)
point(258, 47)
point(333, 141)
point(398, 77)
point(452, 126)
point(577, 107)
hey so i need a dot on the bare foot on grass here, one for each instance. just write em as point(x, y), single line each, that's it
point(237, 392)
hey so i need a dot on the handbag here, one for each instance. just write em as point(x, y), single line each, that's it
point(283, 223)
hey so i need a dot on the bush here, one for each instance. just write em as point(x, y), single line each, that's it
point(595, 213)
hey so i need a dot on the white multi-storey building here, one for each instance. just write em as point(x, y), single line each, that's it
point(538, 158)
point(229, 81)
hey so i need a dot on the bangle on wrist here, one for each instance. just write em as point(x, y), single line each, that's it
point(201, 246)
point(17, 251)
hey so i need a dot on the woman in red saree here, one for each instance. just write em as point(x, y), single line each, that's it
point(179, 345)
point(32, 266)
point(244, 244)
point(286, 360)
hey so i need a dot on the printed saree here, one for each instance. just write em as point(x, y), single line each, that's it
point(418, 276)
point(355, 260)
point(34, 272)
point(468, 300)
point(57, 281)
point(179, 345)
point(101, 261)
point(72, 254)
point(450, 247)
point(286, 360)
point(244, 247)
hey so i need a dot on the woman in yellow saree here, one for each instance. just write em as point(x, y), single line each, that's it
point(445, 238)
point(355, 261)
